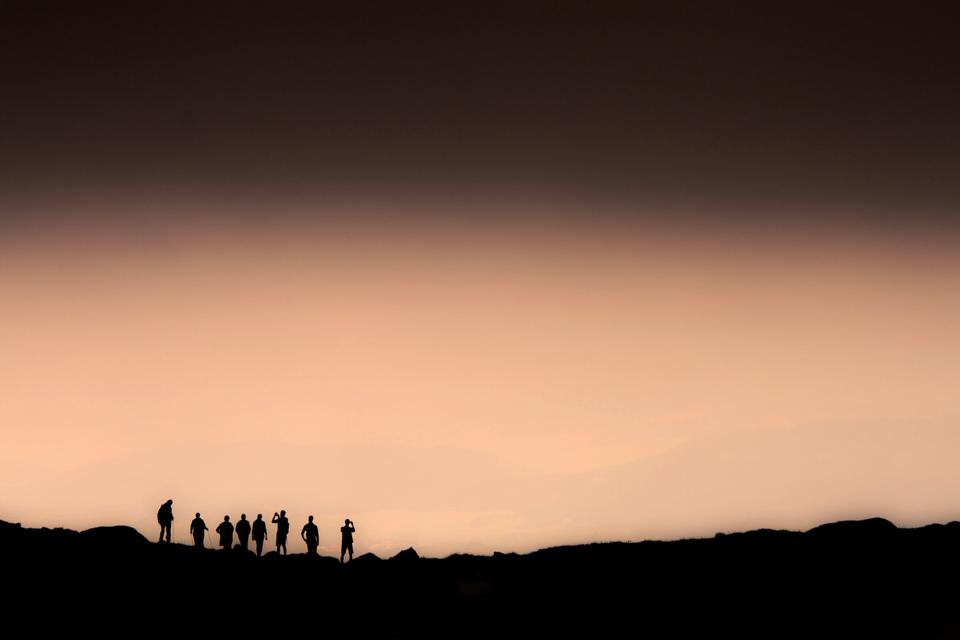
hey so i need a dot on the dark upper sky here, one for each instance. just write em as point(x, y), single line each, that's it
point(852, 105)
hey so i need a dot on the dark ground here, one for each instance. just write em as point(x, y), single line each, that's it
point(858, 579)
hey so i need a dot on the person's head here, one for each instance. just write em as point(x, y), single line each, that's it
point(243, 516)
point(347, 521)
point(169, 502)
point(259, 516)
point(226, 518)
point(310, 519)
point(282, 513)
point(198, 514)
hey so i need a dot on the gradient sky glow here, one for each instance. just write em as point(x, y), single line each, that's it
point(475, 388)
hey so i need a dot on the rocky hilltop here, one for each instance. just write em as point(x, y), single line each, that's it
point(864, 578)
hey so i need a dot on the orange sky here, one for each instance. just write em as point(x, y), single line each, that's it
point(478, 389)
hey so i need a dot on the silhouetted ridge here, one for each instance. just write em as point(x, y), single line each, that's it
point(407, 555)
point(117, 536)
point(864, 578)
point(855, 528)
point(367, 558)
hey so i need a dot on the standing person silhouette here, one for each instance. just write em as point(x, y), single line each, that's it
point(283, 527)
point(259, 533)
point(197, 527)
point(346, 538)
point(310, 535)
point(165, 518)
point(225, 529)
point(243, 531)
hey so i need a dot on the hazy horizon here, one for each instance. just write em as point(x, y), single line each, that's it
point(475, 387)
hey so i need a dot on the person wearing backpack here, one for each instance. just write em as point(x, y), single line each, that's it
point(225, 529)
point(165, 518)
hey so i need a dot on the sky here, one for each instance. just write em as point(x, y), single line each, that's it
point(480, 278)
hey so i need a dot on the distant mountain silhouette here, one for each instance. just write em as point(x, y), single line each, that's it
point(864, 578)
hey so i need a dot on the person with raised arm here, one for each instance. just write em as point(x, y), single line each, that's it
point(283, 527)
point(346, 538)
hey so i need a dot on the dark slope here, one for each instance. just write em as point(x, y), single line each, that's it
point(845, 579)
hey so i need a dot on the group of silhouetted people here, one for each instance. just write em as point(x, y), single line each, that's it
point(258, 530)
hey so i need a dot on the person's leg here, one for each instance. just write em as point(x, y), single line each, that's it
point(169, 527)
point(350, 549)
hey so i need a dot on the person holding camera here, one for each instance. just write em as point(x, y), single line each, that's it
point(283, 527)
point(346, 538)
